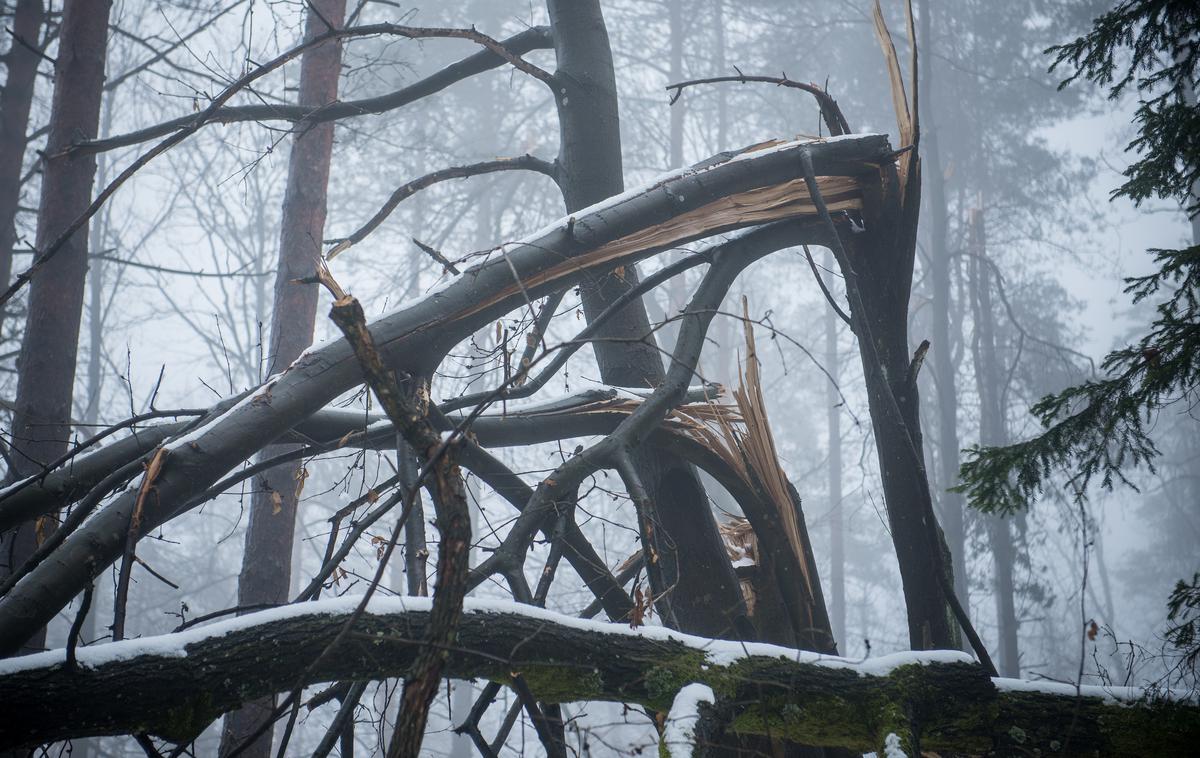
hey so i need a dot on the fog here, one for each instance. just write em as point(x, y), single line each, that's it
point(183, 256)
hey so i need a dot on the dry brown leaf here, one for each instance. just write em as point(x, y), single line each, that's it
point(301, 478)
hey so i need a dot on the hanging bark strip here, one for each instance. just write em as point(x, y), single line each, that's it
point(409, 413)
point(131, 538)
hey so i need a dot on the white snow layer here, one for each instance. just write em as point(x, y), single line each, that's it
point(891, 748)
point(679, 736)
point(717, 652)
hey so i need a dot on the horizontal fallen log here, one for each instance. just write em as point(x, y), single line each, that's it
point(174, 686)
point(733, 192)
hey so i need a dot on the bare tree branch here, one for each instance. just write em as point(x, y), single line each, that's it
point(408, 189)
point(535, 38)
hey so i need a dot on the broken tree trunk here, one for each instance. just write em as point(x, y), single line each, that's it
point(734, 192)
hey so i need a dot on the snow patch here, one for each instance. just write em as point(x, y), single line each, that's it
point(679, 736)
point(891, 748)
point(1112, 694)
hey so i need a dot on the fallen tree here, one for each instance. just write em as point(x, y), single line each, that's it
point(732, 191)
point(173, 686)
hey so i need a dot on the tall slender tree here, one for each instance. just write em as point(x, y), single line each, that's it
point(993, 430)
point(943, 343)
point(16, 99)
point(267, 560)
point(41, 426)
point(837, 537)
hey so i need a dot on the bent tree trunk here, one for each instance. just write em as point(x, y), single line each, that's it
point(735, 192)
point(46, 368)
point(705, 597)
point(267, 559)
point(174, 686)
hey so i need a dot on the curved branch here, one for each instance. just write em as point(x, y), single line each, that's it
point(831, 112)
point(535, 38)
point(407, 190)
point(614, 450)
point(205, 116)
point(18, 500)
point(743, 191)
point(569, 348)
point(825, 290)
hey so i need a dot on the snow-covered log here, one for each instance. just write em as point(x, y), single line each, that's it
point(174, 685)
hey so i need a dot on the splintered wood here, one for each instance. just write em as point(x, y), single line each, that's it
point(757, 206)
point(776, 202)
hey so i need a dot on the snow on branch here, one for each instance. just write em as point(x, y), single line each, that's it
point(175, 685)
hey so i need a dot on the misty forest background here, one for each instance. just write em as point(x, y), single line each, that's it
point(1018, 237)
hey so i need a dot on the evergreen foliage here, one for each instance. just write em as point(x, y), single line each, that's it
point(1154, 47)
point(1100, 428)
point(1103, 427)
point(1183, 610)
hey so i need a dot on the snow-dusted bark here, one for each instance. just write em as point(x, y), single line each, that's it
point(174, 685)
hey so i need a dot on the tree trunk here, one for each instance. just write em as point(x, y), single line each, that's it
point(15, 100)
point(46, 368)
point(833, 416)
point(706, 597)
point(993, 432)
point(941, 351)
point(878, 268)
point(267, 558)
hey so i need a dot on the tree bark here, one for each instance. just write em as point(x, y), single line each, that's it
point(705, 594)
point(880, 263)
point(174, 686)
point(267, 558)
point(15, 100)
point(46, 368)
